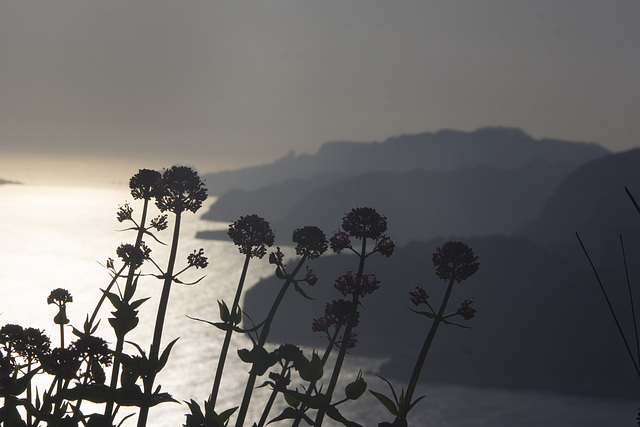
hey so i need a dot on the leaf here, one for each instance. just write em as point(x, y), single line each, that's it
point(388, 403)
point(313, 370)
point(137, 303)
point(333, 413)
point(225, 315)
point(280, 274)
point(446, 322)
point(287, 414)
point(428, 314)
point(300, 291)
point(165, 355)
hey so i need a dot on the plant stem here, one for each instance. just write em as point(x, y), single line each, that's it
point(157, 333)
point(264, 333)
point(115, 371)
point(229, 332)
point(345, 340)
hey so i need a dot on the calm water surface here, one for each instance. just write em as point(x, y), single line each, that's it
point(54, 237)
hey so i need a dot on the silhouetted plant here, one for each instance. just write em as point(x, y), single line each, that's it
point(635, 357)
point(454, 262)
point(78, 371)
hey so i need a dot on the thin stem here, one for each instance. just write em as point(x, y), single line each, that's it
point(128, 294)
point(312, 384)
point(272, 398)
point(413, 382)
point(345, 340)
point(613, 313)
point(157, 333)
point(229, 332)
point(264, 333)
point(633, 310)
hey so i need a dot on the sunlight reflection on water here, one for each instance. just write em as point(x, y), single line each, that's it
point(58, 236)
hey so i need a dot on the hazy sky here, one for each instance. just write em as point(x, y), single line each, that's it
point(222, 84)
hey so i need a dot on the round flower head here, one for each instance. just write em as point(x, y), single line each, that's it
point(350, 284)
point(145, 183)
point(311, 241)
point(132, 255)
point(251, 234)
point(289, 353)
point(181, 190)
point(455, 260)
point(59, 296)
point(364, 223)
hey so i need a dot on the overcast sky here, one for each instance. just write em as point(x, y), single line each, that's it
point(222, 84)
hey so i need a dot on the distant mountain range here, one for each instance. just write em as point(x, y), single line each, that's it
point(542, 322)
point(427, 184)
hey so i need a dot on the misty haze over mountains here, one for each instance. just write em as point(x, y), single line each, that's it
point(542, 322)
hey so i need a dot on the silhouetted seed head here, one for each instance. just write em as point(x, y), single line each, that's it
point(418, 296)
point(145, 184)
point(251, 234)
point(197, 259)
point(311, 241)
point(364, 223)
point(455, 260)
point(59, 296)
point(181, 190)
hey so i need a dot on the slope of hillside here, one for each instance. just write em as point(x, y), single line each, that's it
point(421, 204)
point(592, 201)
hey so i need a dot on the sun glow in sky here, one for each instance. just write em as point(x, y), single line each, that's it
point(220, 85)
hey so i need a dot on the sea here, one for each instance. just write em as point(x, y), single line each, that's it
point(61, 237)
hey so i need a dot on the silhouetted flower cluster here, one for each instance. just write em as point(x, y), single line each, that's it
point(145, 184)
point(181, 190)
point(351, 284)
point(124, 213)
point(288, 354)
point(251, 234)
point(59, 296)
point(310, 241)
point(197, 259)
point(465, 310)
point(132, 255)
point(364, 223)
point(418, 296)
point(455, 260)
point(384, 245)
point(340, 241)
point(159, 223)
point(310, 277)
point(336, 314)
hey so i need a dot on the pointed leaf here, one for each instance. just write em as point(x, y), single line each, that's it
point(333, 413)
point(300, 291)
point(165, 355)
point(388, 403)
